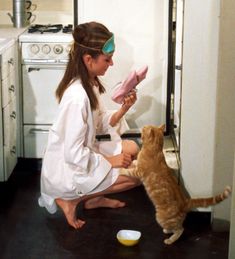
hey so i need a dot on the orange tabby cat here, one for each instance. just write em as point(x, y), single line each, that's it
point(161, 185)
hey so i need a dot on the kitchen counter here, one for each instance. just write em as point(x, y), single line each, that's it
point(8, 35)
point(8, 31)
point(5, 43)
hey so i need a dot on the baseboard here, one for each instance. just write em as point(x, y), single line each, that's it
point(199, 217)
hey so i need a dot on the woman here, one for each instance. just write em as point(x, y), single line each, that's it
point(75, 166)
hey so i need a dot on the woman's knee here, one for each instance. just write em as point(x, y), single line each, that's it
point(131, 147)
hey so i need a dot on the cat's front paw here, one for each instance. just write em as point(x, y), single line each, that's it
point(127, 171)
point(133, 164)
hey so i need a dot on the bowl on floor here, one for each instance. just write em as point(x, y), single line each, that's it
point(128, 237)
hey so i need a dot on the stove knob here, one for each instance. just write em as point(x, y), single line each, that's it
point(34, 48)
point(46, 49)
point(58, 49)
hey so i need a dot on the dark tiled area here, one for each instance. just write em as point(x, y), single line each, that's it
point(28, 231)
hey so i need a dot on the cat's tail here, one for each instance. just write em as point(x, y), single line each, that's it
point(206, 202)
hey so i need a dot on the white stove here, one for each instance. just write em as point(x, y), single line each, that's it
point(45, 44)
point(44, 56)
point(46, 37)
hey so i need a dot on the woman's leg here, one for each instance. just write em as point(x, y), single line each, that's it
point(69, 209)
point(122, 183)
point(96, 200)
point(131, 147)
point(128, 146)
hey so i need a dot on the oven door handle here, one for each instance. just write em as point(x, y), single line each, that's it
point(38, 68)
point(38, 131)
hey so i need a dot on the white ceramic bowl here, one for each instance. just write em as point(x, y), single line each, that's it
point(128, 237)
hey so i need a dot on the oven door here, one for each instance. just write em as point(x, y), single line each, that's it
point(39, 105)
point(39, 85)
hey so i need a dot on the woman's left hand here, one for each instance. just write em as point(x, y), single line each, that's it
point(130, 99)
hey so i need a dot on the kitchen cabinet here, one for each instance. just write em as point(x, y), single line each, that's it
point(8, 114)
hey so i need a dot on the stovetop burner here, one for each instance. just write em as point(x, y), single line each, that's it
point(52, 28)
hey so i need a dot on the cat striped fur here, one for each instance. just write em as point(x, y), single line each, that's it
point(171, 203)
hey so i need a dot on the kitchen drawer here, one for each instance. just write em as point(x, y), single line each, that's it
point(8, 89)
point(35, 140)
point(9, 123)
point(8, 62)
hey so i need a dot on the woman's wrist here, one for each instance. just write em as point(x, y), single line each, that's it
point(117, 116)
point(124, 108)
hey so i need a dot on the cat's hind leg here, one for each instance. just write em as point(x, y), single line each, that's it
point(167, 231)
point(176, 234)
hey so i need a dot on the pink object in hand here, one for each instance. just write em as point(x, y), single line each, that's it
point(132, 80)
point(142, 73)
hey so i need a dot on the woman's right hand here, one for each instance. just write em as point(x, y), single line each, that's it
point(121, 160)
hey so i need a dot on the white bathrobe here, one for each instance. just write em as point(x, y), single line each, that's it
point(73, 165)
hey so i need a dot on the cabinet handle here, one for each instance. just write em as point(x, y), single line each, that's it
point(13, 115)
point(11, 61)
point(35, 131)
point(12, 88)
point(13, 150)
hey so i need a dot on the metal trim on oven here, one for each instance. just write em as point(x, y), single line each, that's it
point(43, 67)
point(41, 131)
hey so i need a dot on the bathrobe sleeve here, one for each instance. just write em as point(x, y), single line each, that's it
point(104, 126)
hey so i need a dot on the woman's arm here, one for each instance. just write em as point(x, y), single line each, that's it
point(128, 102)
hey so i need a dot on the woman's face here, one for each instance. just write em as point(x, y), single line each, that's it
point(99, 65)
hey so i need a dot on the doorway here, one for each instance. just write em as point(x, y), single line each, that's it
point(175, 50)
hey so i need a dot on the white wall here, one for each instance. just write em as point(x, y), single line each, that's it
point(141, 37)
point(199, 87)
point(47, 11)
point(225, 106)
point(207, 122)
point(232, 226)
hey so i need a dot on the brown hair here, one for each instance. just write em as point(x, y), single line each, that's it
point(92, 35)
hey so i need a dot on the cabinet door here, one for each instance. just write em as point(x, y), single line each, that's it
point(8, 89)
point(9, 140)
point(8, 129)
point(9, 126)
point(8, 62)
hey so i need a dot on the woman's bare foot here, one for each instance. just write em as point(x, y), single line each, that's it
point(69, 209)
point(101, 201)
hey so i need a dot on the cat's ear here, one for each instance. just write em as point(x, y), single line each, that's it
point(162, 128)
point(147, 132)
point(150, 132)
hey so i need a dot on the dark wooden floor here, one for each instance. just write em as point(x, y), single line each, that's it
point(28, 231)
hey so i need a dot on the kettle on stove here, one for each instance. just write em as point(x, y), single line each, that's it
point(22, 13)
